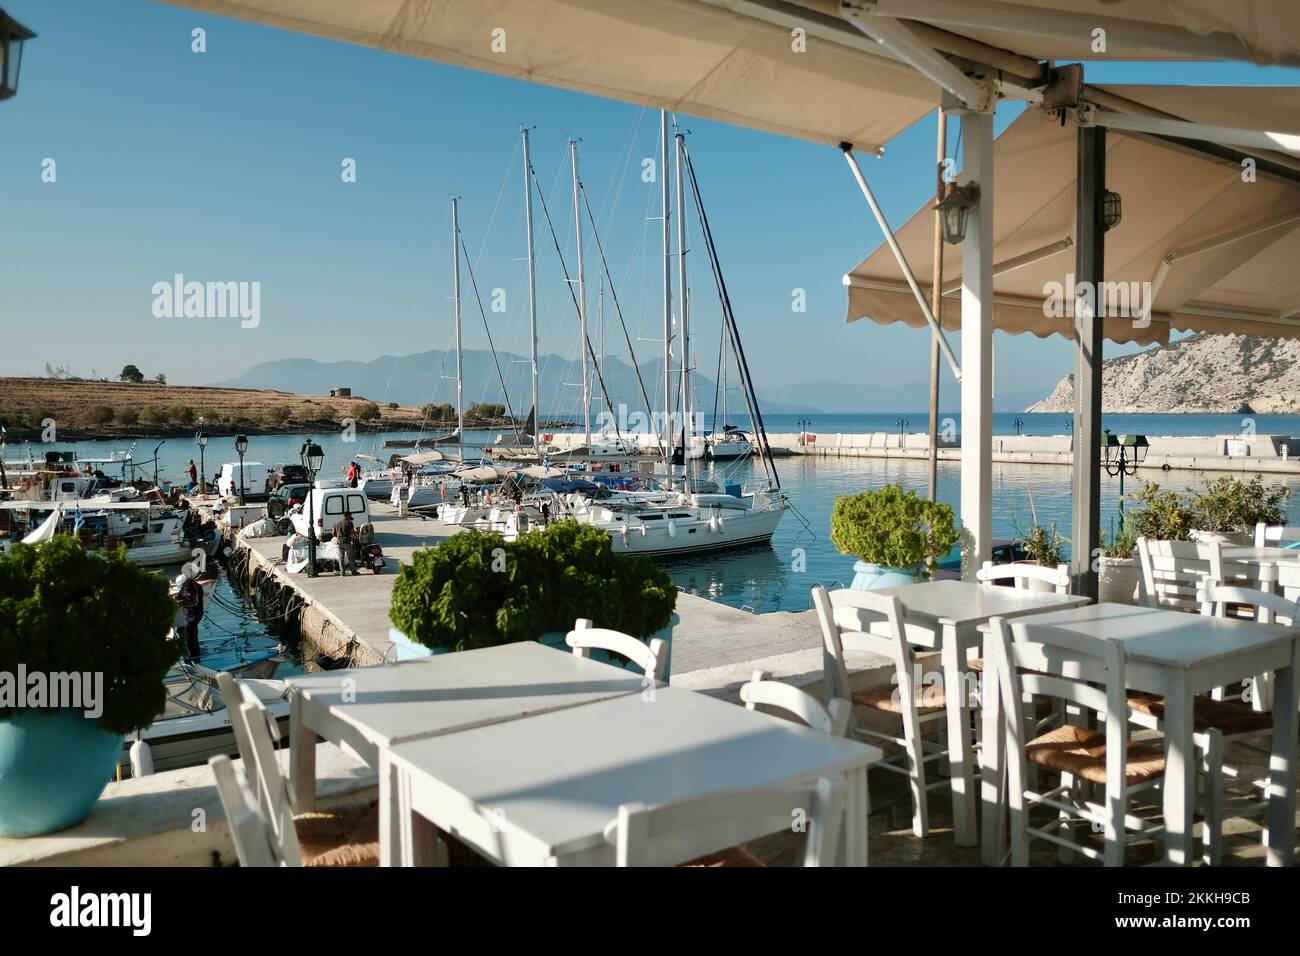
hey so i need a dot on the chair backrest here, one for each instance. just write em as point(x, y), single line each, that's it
point(1215, 597)
point(1273, 535)
point(1288, 580)
point(248, 828)
point(1022, 574)
point(679, 832)
point(651, 658)
point(1171, 571)
point(831, 719)
point(1085, 671)
point(871, 621)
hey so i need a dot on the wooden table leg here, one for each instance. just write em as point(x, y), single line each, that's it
point(1180, 773)
point(992, 756)
point(961, 757)
point(302, 758)
point(1281, 784)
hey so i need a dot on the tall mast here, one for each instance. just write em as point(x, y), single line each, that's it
point(688, 427)
point(582, 297)
point(455, 287)
point(668, 288)
point(532, 286)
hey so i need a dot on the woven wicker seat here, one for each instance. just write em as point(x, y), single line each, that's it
point(977, 665)
point(1082, 752)
point(1229, 717)
point(732, 856)
point(884, 697)
point(343, 836)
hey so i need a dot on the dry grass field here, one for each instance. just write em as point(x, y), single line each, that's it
point(118, 409)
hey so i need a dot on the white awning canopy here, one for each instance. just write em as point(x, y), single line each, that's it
point(1210, 246)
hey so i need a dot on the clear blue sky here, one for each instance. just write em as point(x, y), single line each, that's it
point(225, 166)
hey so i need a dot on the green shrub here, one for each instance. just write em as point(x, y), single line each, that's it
point(127, 415)
point(64, 609)
point(1163, 515)
point(99, 415)
point(183, 414)
point(365, 411)
point(1044, 545)
point(892, 527)
point(477, 590)
point(1228, 504)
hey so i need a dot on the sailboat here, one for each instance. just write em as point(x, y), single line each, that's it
point(683, 518)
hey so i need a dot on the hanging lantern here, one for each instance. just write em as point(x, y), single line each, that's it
point(955, 209)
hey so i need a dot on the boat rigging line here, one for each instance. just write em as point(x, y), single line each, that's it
point(514, 423)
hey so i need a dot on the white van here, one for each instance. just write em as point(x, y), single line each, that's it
point(326, 508)
point(256, 480)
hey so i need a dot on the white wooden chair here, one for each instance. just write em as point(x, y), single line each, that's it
point(1171, 572)
point(1275, 535)
point(343, 836)
point(248, 828)
point(706, 831)
point(651, 658)
point(833, 718)
point(1025, 575)
point(1083, 757)
point(876, 622)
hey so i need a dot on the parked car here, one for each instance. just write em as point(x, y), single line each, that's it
point(288, 475)
point(282, 499)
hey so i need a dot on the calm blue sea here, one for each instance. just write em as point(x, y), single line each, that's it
point(765, 578)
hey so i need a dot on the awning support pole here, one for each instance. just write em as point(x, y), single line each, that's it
point(1090, 269)
point(902, 260)
point(936, 305)
point(977, 350)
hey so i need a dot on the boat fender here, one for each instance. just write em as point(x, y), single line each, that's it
point(713, 523)
point(141, 759)
point(643, 531)
point(672, 528)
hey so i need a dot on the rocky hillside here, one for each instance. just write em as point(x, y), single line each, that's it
point(1201, 373)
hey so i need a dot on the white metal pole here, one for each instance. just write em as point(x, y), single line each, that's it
point(455, 287)
point(532, 288)
point(902, 260)
point(668, 288)
point(582, 298)
point(977, 348)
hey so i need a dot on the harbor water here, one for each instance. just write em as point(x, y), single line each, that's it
point(775, 577)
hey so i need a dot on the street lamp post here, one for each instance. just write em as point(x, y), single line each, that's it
point(1019, 423)
point(312, 458)
point(804, 425)
point(903, 426)
point(201, 439)
point(1121, 456)
point(241, 446)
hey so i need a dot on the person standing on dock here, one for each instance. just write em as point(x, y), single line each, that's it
point(194, 476)
point(352, 474)
point(190, 598)
point(343, 535)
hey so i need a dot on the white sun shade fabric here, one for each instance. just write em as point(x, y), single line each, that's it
point(1175, 203)
point(694, 57)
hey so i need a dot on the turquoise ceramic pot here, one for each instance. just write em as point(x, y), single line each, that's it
point(869, 577)
point(53, 766)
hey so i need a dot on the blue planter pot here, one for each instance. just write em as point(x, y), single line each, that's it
point(53, 767)
point(408, 649)
point(869, 577)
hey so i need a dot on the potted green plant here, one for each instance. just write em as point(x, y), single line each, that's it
point(1043, 545)
point(84, 649)
point(896, 535)
point(1160, 515)
point(1227, 509)
point(478, 590)
point(1117, 572)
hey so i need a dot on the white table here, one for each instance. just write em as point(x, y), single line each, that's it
point(541, 791)
point(952, 611)
point(1176, 655)
point(371, 708)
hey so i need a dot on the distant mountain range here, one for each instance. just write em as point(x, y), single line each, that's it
point(429, 377)
point(1201, 373)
